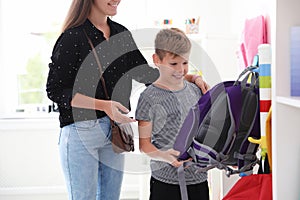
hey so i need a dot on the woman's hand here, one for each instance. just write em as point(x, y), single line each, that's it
point(201, 84)
point(113, 109)
point(198, 80)
point(117, 112)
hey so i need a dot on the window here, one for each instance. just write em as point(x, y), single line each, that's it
point(28, 31)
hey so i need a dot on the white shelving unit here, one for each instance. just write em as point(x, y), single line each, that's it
point(286, 109)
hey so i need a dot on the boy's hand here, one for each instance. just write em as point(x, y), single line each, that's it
point(171, 157)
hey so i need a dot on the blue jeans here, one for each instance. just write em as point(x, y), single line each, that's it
point(92, 170)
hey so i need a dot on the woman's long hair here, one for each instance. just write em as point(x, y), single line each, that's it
point(77, 14)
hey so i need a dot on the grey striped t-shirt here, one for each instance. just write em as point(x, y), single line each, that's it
point(167, 110)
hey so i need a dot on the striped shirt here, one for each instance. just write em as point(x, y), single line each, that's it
point(167, 110)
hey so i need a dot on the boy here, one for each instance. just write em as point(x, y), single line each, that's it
point(161, 110)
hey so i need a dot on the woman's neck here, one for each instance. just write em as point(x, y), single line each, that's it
point(100, 22)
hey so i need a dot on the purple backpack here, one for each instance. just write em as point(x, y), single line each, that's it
point(216, 130)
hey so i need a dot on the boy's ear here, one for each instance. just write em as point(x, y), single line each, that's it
point(156, 59)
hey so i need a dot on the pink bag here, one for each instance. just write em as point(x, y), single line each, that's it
point(253, 35)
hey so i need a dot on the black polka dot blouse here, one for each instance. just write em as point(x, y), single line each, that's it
point(73, 69)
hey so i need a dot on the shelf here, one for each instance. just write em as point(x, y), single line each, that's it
point(290, 101)
point(29, 115)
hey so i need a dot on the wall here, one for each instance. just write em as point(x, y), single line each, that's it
point(215, 36)
point(30, 166)
point(220, 26)
point(29, 159)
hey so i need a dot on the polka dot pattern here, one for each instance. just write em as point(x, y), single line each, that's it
point(73, 69)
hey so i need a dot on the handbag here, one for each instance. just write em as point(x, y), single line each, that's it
point(121, 134)
point(121, 137)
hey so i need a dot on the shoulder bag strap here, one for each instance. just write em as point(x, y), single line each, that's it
point(99, 65)
point(100, 69)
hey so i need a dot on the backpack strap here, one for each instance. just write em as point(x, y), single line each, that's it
point(182, 183)
point(207, 158)
point(187, 132)
point(181, 178)
point(246, 162)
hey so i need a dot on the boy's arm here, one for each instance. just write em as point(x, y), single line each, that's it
point(145, 146)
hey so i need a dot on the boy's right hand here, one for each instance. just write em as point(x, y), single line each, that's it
point(171, 157)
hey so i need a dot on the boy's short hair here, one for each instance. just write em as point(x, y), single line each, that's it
point(172, 41)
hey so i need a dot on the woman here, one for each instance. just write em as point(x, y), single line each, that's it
point(92, 170)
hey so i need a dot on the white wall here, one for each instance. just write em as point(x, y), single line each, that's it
point(30, 167)
point(142, 13)
point(221, 24)
point(218, 36)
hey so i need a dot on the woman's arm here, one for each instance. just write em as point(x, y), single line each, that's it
point(113, 109)
point(61, 85)
point(63, 70)
point(198, 80)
